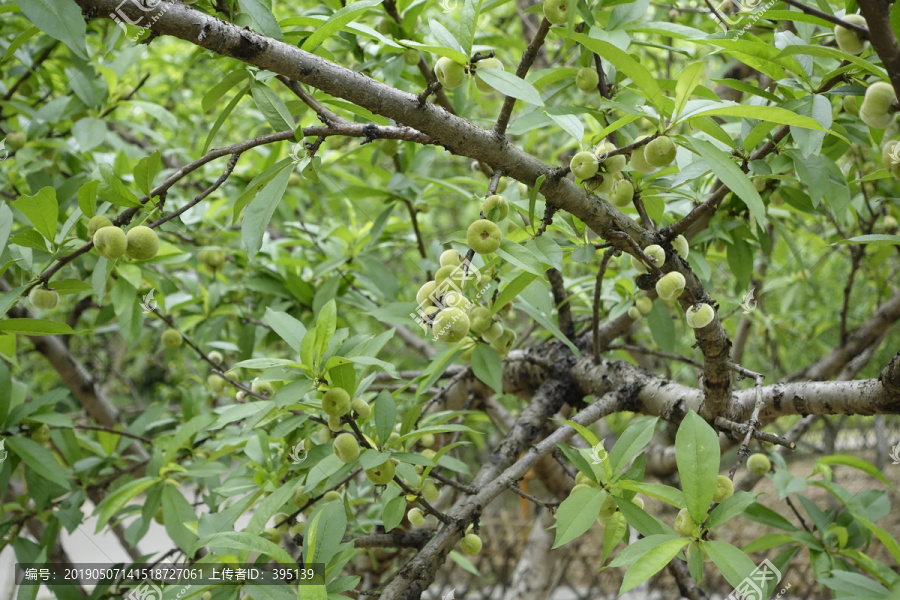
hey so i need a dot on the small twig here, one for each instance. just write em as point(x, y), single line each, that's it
point(514, 486)
point(527, 60)
point(598, 286)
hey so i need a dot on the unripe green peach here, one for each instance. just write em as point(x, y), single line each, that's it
point(212, 258)
point(580, 486)
point(429, 454)
point(454, 299)
point(272, 534)
point(390, 147)
point(171, 338)
point(660, 152)
point(282, 522)
point(643, 304)
point(607, 509)
point(505, 342)
point(493, 333)
point(97, 222)
point(850, 106)
point(487, 63)
point(759, 183)
point(479, 319)
point(207, 595)
point(495, 208)
point(587, 79)
point(483, 236)
point(424, 293)
point(15, 140)
point(584, 165)
point(581, 478)
point(449, 73)
point(216, 357)
point(681, 246)
point(427, 440)
point(430, 492)
point(670, 285)
point(889, 224)
point(876, 107)
point(451, 325)
point(381, 474)
point(471, 544)
point(298, 528)
point(600, 184)
point(215, 382)
point(110, 242)
point(415, 516)
point(638, 160)
point(411, 57)
point(759, 464)
point(698, 316)
point(43, 297)
point(684, 524)
point(331, 496)
point(622, 193)
point(557, 12)
point(299, 498)
point(639, 502)
point(392, 439)
point(346, 448)
point(361, 408)
point(634, 313)
point(324, 434)
point(610, 164)
point(143, 243)
point(263, 388)
point(847, 39)
point(451, 258)
point(294, 180)
point(335, 424)
point(158, 517)
point(656, 255)
point(240, 395)
point(41, 434)
point(336, 402)
point(724, 489)
point(505, 310)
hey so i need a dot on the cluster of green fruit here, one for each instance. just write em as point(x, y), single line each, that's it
point(140, 243)
point(41, 433)
point(451, 74)
point(847, 39)
point(601, 173)
point(431, 494)
point(216, 382)
point(685, 525)
point(877, 110)
point(658, 153)
point(336, 403)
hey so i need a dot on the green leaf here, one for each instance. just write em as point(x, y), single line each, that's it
point(218, 124)
point(765, 515)
point(262, 14)
point(630, 554)
point(447, 39)
point(734, 565)
point(42, 210)
point(259, 212)
point(510, 85)
point(336, 22)
point(324, 532)
point(520, 256)
point(114, 190)
point(89, 132)
point(730, 508)
point(87, 198)
point(652, 563)
point(270, 506)
point(662, 327)
point(35, 327)
point(697, 457)
point(666, 493)
point(577, 513)
point(5, 392)
point(146, 171)
point(548, 324)
point(393, 513)
point(642, 78)
point(857, 463)
point(239, 540)
point(61, 20)
point(637, 435)
point(326, 322)
point(287, 327)
point(873, 238)
point(762, 113)
point(40, 460)
point(117, 500)
point(512, 290)
point(272, 107)
point(467, 24)
point(6, 223)
point(487, 367)
point(687, 81)
point(731, 175)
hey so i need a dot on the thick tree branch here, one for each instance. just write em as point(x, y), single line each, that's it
point(878, 19)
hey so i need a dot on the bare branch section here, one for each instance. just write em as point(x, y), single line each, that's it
point(878, 19)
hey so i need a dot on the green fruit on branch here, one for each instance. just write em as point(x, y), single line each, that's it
point(273, 535)
point(487, 63)
point(471, 544)
point(849, 105)
point(96, 223)
point(889, 224)
point(298, 528)
point(143, 243)
point(622, 193)
point(15, 140)
point(158, 517)
point(681, 246)
point(580, 486)
point(480, 319)
point(43, 297)
point(557, 12)
point(610, 164)
point(216, 383)
point(415, 516)
point(660, 152)
point(584, 165)
point(207, 595)
point(294, 180)
point(212, 258)
point(876, 110)
point(263, 388)
point(110, 242)
point(454, 274)
point(451, 258)
point(639, 160)
point(700, 315)
point(505, 310)
point(670, 285)
point(429, 454)
point(427, 440)
point(240, 395)
point(430, 492)
point(724, 489)
point(449, 73)
point(41, 434)
point(390, 147)
point(504, 343)
point(361, 408)
point(171, 338)
point(411, 57)
point(335, 424)
point(331, 496)
point(453, 299)
point(216, 357)
point(759, 464)
point(493, 333)
point(495, 208)
point(655, 253)
point(587, 79)
point(600, 184)
point(581, 478)
point(639, 502)
point(451, 325)
point(282, 522)
point(346, 448)
point(684, 524)
point(299, 498)
point(381, 474)
point(336, 402)
point(643, 304)
point(607, 509)
point(759, 183)
point(423, 296)
point(634, 313)
point(847, 39)
point(483, 236)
